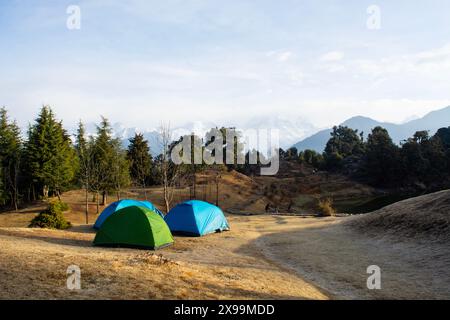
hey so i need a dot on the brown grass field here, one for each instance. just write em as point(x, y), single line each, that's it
point(264, 256)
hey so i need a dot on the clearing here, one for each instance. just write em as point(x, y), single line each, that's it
point(262, 257)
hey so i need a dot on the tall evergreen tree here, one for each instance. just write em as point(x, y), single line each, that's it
point(10, 156)
point(382, 162)
point(424, 158)
point(111, 170)
point(120, 169)
point(443, 136)
point(140, 161)
point(85, 168)
point(2, 190)
point(50, 160)
point(102, 155)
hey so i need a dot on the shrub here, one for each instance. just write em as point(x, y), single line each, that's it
point(325, 207)
point(52, 217)
point(61, 206)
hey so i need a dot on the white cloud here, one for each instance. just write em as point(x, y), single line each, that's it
point(332, 56)
point(280, 55)
point(284, 56)
point(334, 67)
point(432, 62)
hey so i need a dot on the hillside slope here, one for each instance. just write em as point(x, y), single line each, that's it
point(408, 240)
point(426, 216)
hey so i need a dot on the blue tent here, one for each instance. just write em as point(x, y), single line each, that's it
point(116, 206)
point(196, 218)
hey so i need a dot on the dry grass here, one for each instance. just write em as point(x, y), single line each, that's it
point(409, 241)
point(336, 258)
point(33, 263)
point(426, 217)
point(325, 207)
point(263, 257)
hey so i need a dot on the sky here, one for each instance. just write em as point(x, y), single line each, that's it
point(143, 62)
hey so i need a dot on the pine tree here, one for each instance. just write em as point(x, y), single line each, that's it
point(10, 156)
point(65, 162)
point(111, 169)
point(3, 125)
point(140, 161)
point(85, 168)
point(50, 160)
point(120, 169)
point(382, 161)
point(2, 190)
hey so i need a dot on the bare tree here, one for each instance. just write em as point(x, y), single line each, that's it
point(168, 170)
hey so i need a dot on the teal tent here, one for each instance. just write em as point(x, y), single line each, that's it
point(197, 218)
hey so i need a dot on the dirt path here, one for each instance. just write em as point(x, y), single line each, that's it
point(336, 258)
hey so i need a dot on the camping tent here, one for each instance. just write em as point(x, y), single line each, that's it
point(197, 218)
point(118, 205)
point(134, 227)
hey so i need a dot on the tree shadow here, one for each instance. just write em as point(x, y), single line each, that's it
point(86, 229)
point(280, 220)
point(47, 238)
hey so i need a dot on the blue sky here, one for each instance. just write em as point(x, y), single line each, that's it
point(141, 62)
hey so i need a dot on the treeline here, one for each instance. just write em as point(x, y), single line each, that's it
point(420, 162)
point(47, 161)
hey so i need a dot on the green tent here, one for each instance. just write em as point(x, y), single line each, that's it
point(134, 226)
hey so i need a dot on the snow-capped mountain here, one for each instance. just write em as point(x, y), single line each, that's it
point(198, 128)
point(152, 135)
point(291, 130)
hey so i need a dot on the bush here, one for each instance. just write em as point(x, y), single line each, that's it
point(61, 206)
point(52, 217)
point(325, 207)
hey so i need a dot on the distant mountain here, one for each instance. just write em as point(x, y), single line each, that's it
point(153, 137)
point(398, 132)
point(290, 129)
